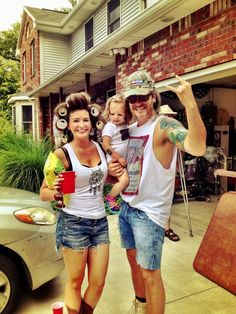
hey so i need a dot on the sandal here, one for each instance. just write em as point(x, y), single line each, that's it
point(169, 233)
point(111, 205)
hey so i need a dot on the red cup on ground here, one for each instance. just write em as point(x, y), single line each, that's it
point(68, 184)
point(57, 307)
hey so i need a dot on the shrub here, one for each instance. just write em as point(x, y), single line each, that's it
point(5, 124)
point(22, 160)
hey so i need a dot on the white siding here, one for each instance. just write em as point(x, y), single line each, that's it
point(78, 43)
point(100, 25)
point(58, 51)
point(54, 52)
point(129, 9)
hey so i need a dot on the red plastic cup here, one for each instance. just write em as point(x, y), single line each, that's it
point(68, 184)
point(57, 307)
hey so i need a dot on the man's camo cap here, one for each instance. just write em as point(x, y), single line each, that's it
point(139, 83)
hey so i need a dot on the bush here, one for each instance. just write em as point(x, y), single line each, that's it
point(22, 160)
point(5, 124)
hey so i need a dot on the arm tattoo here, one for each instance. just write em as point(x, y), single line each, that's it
point(175, 131)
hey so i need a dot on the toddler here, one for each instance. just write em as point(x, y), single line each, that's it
point(115, 136)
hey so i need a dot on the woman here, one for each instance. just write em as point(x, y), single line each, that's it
point(82, 228)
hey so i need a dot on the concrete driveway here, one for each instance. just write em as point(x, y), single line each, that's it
point(187, 292)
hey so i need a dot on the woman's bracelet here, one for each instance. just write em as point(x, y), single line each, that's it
point(109, 152)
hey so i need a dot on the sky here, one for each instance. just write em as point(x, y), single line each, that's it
point(12, 9)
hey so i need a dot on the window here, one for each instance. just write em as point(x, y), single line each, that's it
point(27, 119)
point(27, 33)
point(24, 67)
point(113, 14)
point(89, 34)
point(148, 3)
point(110, 93)
point(32, 57)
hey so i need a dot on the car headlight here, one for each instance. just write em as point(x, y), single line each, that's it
point(35, 216)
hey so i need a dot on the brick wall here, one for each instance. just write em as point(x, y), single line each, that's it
point(203, 39)
point(29, 35)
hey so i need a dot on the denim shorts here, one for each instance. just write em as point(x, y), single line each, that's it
point(138, 231)
point(79, 233)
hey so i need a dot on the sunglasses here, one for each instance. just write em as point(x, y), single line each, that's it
point(137, 98)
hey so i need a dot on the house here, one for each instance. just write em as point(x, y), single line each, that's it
point(96, 45)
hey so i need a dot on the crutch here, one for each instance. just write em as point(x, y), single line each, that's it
point(184, 190)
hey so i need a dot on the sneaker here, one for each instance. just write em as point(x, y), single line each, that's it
point(138, 307)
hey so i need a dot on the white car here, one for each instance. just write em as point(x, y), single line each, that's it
point(27, 244)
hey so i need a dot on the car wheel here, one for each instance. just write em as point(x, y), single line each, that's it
point(9, 285)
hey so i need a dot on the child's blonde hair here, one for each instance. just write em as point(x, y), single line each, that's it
point(117, 98)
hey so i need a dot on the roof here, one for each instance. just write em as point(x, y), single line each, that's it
point(45, 15)
point(59, 22)
point(48, 17)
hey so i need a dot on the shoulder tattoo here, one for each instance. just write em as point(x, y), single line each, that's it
point(175, 131)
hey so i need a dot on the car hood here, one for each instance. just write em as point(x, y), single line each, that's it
point(11, 229)
point(12, 199)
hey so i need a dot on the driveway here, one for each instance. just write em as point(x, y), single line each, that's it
point(186, 291)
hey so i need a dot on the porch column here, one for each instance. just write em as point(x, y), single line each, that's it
point(87, 82)
point(61, 97)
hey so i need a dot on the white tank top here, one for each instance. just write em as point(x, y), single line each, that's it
point(87, 201)
point(151, 186)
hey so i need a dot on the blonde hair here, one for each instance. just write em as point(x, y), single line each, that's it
point(117, 98)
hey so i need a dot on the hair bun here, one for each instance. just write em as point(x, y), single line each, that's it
point(80, 100)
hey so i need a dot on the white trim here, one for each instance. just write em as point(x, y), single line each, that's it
point(91, 18)
point(201, 76)
point(108, 15)
point(13, 99)
point(23, 123)
point(41, 58)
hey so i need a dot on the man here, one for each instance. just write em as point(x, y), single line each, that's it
point(151, 159)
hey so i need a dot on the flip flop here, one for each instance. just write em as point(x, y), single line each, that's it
point(169, 233)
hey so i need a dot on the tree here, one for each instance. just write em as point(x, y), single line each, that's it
point(67, 10)
point(5, 124)
point(9, 67)
point(9, 82)
point(73, 2)
point(8, 42)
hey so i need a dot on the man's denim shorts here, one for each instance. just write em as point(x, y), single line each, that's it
point(79, 233)
point(138, 231)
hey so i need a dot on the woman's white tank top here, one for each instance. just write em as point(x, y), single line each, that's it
point(151, 186)
point(87, 201)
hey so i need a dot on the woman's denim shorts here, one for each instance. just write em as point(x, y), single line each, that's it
point(139, 232)
point(79, 233)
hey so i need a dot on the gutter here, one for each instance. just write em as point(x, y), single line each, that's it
point(201, 76)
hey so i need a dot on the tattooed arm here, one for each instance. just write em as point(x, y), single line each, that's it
point(175, 131)
point(195, 140)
